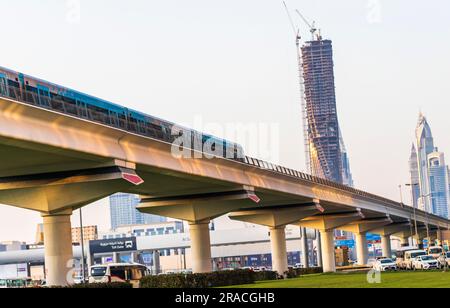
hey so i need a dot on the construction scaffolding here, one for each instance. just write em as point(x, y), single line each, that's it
point(320, 108)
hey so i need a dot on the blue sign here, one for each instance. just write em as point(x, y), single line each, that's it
point(345, 243)
point(373, 237)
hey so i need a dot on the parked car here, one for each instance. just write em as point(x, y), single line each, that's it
point(444, 260)
point(383, 265)
point(298, 266)
point(425, 263)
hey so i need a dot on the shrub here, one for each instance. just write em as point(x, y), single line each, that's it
point(294, 273)
point(112, 285)
point(266, 275)
point(207, 280)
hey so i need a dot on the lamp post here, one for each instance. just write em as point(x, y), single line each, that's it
point(414, 208)
point(83, 265)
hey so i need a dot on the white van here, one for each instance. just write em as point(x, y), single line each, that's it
point(118, 272)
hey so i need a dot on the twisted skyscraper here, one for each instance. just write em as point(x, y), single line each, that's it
point(327, 154)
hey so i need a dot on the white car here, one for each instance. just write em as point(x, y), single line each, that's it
point(383, 265)
point(425, 263)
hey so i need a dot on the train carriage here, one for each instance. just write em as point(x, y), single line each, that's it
point(47, 95)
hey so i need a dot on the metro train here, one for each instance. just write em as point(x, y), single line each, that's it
point(31, 90)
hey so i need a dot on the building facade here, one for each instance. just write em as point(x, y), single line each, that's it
point(90, 233)
point(124, 213)
point(162, 228)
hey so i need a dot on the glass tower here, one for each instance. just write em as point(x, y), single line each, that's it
point(439, 194)
point(124, 213)
point(425, 146)
point(414, 172)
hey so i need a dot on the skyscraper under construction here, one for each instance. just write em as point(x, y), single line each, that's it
point(326, 151)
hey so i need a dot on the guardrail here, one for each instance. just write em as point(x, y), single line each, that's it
point(313, 179)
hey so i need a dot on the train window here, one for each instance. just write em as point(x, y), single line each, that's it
point(97, 114)
point(13, 83)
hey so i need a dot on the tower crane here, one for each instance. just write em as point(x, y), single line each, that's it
point(302, 92)
point(294, 29)
point(315, 33)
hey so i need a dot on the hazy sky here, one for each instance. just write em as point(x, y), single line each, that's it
point(234, 61)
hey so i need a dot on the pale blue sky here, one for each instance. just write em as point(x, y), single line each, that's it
point(235, 61)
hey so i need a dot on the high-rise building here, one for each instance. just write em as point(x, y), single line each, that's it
point(323, 131)
point(425, 146)
point(325, 150)
point(414, 172)
point(439, 193)
point(429, 174)
point(124, 213)
point(347, 178)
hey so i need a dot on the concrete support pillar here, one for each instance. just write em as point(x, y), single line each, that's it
point(304, 248)
point(404, 241)
point(439, 235)
point(279, 250)
point(89, 257)
point(362, 250)
point(319, 249)
point(134, 258)
point(328, 251)
point(200, 247)
point(156, 262)
point(58, 249)
point(386, 246)
point(116, 257)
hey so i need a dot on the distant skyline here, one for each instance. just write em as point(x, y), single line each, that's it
point(235, 61)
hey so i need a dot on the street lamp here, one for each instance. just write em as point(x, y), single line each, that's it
point(83, 265)
point(422, 197)
point(414, 208)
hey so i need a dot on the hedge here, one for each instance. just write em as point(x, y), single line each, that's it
point(219, 279)
point(112, 285)
point(298, 272)
point(208, 280)
point(266, 275)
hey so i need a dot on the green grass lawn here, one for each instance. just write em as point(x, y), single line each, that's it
point(359, 280)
